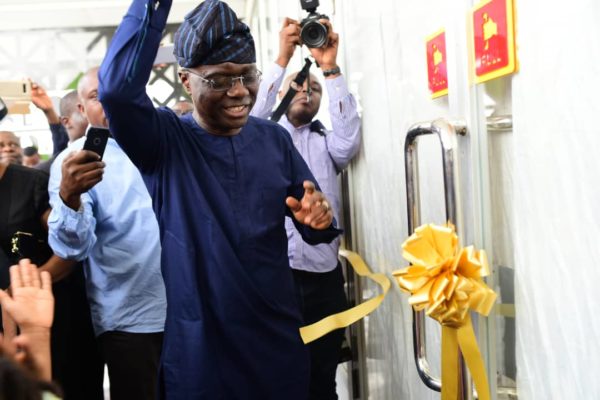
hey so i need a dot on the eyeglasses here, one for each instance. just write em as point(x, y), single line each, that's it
point(222, 83)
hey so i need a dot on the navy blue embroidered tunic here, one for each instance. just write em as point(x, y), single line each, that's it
point(232, 318)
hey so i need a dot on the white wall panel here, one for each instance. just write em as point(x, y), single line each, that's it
point(384, 51)
point(557, 171)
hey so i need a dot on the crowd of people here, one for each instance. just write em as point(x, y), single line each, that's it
point(188, 254)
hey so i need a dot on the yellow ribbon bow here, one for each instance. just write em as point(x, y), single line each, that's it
point(446, 281)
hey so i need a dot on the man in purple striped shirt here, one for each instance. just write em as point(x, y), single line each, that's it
point(317, 272)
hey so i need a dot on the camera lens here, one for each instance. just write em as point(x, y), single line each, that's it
point(97, 141)
point(314, 34)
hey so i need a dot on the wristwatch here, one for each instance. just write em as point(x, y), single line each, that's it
point(332, 71)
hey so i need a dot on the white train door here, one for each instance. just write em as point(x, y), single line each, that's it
point(527, 185)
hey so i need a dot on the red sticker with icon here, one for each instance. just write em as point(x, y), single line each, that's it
point(493, 39)
point(437, 72)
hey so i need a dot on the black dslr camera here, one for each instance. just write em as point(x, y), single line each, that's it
point(312, 32)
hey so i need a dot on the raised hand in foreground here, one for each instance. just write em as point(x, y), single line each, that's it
point(31, 306)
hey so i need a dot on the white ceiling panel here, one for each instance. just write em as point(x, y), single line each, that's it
point(44, 14)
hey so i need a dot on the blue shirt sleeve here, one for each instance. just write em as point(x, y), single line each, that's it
point(134, 122)
point(71, 234)
point(60, 139)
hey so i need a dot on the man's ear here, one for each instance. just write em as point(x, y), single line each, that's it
point(81, 109)
point(185, 81)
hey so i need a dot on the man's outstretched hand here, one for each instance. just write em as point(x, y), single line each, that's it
point(41, 100)
point(313, 209)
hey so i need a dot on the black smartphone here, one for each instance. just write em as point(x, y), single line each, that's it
point(96, 139)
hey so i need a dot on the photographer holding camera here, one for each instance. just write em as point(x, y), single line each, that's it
point(317, 273)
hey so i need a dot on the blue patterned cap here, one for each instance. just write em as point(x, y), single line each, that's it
point(212, 34)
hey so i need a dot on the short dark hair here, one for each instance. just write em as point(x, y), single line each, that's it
point(30, 151)
point(68, 104)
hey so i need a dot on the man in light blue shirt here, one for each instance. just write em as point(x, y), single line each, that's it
point(317, 273)
point(102, 213)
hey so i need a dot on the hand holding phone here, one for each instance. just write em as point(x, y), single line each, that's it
point(15, 90)
point(96, 139)
point(16, 96)
point(81, 171)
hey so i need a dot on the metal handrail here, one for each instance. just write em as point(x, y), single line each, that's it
point(499, 123)
point(446, 132)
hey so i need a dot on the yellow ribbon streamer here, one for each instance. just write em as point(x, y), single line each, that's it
point(320, 328)
point(446, 281)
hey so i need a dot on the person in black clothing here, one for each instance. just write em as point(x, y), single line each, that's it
point(24, 208)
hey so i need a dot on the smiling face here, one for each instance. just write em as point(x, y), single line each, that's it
point(220, 112)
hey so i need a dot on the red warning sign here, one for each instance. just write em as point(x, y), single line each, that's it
point(493, 39)
point(437, 72)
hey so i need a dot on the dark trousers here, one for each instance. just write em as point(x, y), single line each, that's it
point(132, 360)
point(76, 362)
point(320, 295)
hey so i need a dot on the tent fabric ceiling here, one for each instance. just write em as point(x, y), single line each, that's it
point(44, 14)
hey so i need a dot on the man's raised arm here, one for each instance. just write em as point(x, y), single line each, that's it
point(123, 75)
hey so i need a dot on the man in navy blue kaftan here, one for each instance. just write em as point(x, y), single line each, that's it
point(221, 183)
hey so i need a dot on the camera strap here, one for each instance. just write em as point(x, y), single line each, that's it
point(287, 99)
